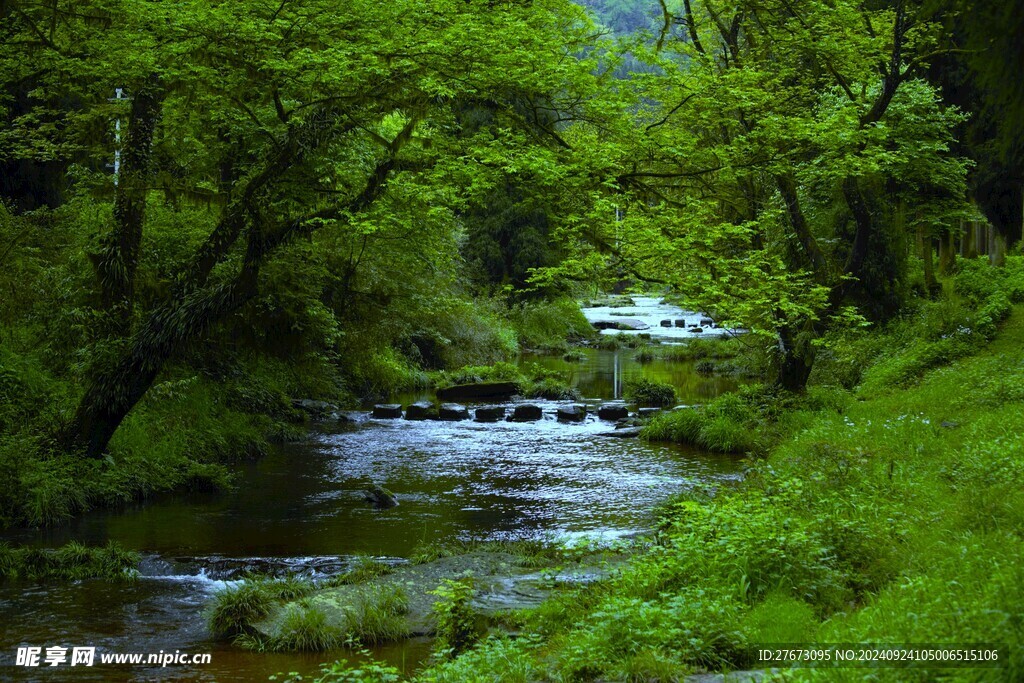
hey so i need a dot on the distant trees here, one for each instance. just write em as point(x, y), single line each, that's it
point(781, 157)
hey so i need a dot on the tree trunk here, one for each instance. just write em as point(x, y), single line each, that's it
point(118, 258)
point(970, 241)
point(796, 360)
point(997, 251)
point(112, 394)
point(947, 254)
point(925, 245)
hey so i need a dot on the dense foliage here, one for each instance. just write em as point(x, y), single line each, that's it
point(209, 210)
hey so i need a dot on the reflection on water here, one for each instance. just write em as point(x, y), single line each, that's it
point(603, 374)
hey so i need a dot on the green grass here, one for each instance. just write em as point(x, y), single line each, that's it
point(898, 517)
point(70, 562)
point(236, 608)
point(305, 628)
point(378, 616)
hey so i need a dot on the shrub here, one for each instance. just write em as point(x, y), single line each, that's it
point(456, 619)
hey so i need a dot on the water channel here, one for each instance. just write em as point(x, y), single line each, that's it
point(301, 509)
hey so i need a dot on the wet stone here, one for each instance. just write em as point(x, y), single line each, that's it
point(645, 413)
point(612, 412)
point(526, 412)
point(666, 323)
point(387, 411)
point(573, 413)
point(490, 413)
point(421, 410)
point(453, 411)
point(681, 322)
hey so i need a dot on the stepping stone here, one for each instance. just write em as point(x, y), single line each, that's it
point(612, 412)
point(526, 412)
point(421, 410)
point(453, 411)
point(387, 411)
point(666, 323)
point(573, 413)
point(490, 413)
point(681, 322)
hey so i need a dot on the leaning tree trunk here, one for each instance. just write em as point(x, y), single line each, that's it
point(113, 393)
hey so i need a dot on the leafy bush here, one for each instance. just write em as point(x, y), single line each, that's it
point(456, 619)
point(549, 324)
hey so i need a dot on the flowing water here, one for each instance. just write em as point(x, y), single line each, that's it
point(301, 510)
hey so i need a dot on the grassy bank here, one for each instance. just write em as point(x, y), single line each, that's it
point(886, 509)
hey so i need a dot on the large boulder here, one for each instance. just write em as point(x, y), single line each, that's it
point(421, 410)
point(573, 413)
point(387, 411)
point(453, 412)
point(526, 412)
point(480, 390)
point(490, 413)
point(621, 324)
point(612, 412)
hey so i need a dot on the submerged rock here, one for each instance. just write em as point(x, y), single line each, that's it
point(387, 411)
point(421, 410)
point(453, 412)
point(612, 412)
point(526, 412)
point(379, 497)
point(623, 433)
point(573, 413)
point(490, 413)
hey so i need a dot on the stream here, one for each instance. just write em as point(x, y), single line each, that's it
point(301, 510)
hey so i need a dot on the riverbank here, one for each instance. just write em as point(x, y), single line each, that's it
point(893, 516)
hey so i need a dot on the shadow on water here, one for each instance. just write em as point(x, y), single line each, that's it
point(301, 509)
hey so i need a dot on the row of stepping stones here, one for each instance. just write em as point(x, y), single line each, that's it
point(524, 412)
point(694, 327)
